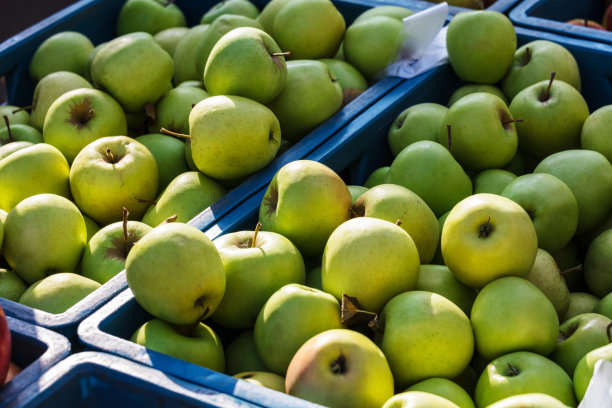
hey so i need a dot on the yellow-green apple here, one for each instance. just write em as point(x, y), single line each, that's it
point(256, 265)
point(5, 346)
point(480, 45)
point(529, 400)
point(169, 38)
point(149, 16)
point(10, 148)
point(64, 51)
point(184, 58)
point(43, 234)
point(11, 285)
point(480, 232)
point(444, 388)
point(268, 14)
point(523, 372)
point(111, 173)
point(313, 278)
point(198, 344)
point(305, 202)
point(580, 302)
point(473, 88)
point(596, 130)
point(173, 109)
point(396, 12)
point(240, 7)
point(169, 154)
point(604, 306)
point(418, 399)
point(58, 292)
point(340, 368)
point(439, 279)
point(350, 79)
point(492, 181)
point(424, 335)
point(545, 274)
point(19, 133)
point(79, 117)
point(310, 312)
point(597, 272)
point(91, 227)
point(36, 169)
point(418, 122)
point(241, 354)
point(263, 379)
point(15, 115)
point(356, 192)
point(512, 314)
point(90, 58)
point(377, 177)
point(586, 366)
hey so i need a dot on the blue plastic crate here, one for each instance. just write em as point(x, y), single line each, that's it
point(101, 380)
point(551, 15)
point(35, 350)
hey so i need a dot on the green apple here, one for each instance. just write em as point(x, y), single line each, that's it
point(424, 335)
point(268, 14)
point(305, 202)
point(478, 235)
point(396, 12)
point(241, 354)
point(473, 88)
point(256, 266)
point(184, 58)
point(340, 368)
point(173, 109)
point(309, 29)
point(534, 61)
point(377, 177)
point(113, 173)
point(439, 279)
point(200, 345)
point(79, 117)
point(149, 16)
point(584, 241)
point(356, 192)
point(246, 62)
point(594, 131)
point(350, 79)
point(480, 45)
point(586, 366)
point(90, 59)
point(438, 259)
point(193, 83)
point(479, 131)
point(12, 147)
point(291, 316)
point(529, 400)
point(176, 274)
point(596, 265)
point(232, 136)
point(492, 181)
point(20, 133)
point(445, 388)
point(580, 302)
point(15, 115)
point(169, 154)
point(91, 227)
point(58, 292)
point(43, 234)
point(418, 399)
point(429, 170)
point(313, 278)
point(50, 88)
point(169, 38)
point(311, 95)
point(370, 259)
point(418, 122)
point(134, 69)
point(11, 285)
point(64, 51)
point(392, 202)
point(604, 306)
point(263, 379)
point(545, 274)
point(36, 169)
point(551, 205)
point(523, 372)
point(589, 175)
point(240, 7)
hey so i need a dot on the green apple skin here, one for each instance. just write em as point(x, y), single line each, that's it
point(418, 399)
point(482, 134)
point(173, 109)
point(596, 130)
point(90, 59)
point(439, 279)
point(102, 186)
point(185, 60)
point(311, 95)
point(36, 169)
point(64, 51)
point(545, 274)
point(530, 400)
point(580, 302)
point(201, 346)
point(14, 114)
point(425, 335)
point(232, 136)
point(192, 83)
point(58, 292)
point(19, 133)
point(12, 147)
point(372, 43)
point(578, 336)
point(445, 388)
point(305, 202)
point(551, 205)
point(246, 62)
point(309, 29)
point(428, 169)
point(169, 38)
point(253, 273)
point(589, 175)
point(523, 372)
point(377, 177)
point(397, 12)
point(370, 259)
point(81, 116)
point(478, 234)
point(149, 16)
point(356, 192)
point(586, 366)
point(418, 122)
point(473, 88)
point(518, 164)
point(597, 265)
point(350, 79)
point(241, 354)
point(105, 254)
point(480, 46)
point(604, 306)
point(11, 285)
point(91, 227)
point(43, 234)
point(492, 181)
point(134, 69)
point(169, 154)
point(534, 61)
point(340, 368)
point(512, 314)
point(552, 115)
point(50, 88)
point(186, 196)
point(263, 379)
point(391, 202)
point(313, 312)
point(175, 273)
point(240, 7)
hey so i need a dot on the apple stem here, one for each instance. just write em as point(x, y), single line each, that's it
point(552, 77)
point(398, 222)
point(170, 219)
point(448, 132)
point(281, 54)
point(575, 268)
point(257, 228)
point(485, 229)
point(608, 332)
point(110, 156)
point(125, 228)
point(145, 201)
point(8, 129)
point(513, 371)
point(165, 131)
point(511, 121)
point(22, 108)
point(89, 115)
point(528, 53)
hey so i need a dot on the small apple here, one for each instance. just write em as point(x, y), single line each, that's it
point(586, 366)
point(439, 279)
point(58, 292)
point(377, 177)
point(418, 399)
point(241, 354)
point(351, 81)
point(11, 285)
point(64, 51)
point(149, 16)
point(240, 7)
point(444, 388)
point(418, 122)
point(169, 38)
point(473, 88)
point(595, 131)
point(492, 181)
point(169, 154)
point(596, 265)
point(15, 115)
point(263, 379)
point(184, 58)
point(580, 302)
point(545, 274)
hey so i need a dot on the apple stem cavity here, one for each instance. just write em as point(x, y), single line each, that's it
point(512, 371)
point(527, 56)
point(546, 96)
point(338, 366)
point(485, 229)
point(570, 270)
point(257, 228)
point(165, 131)
point(448, 132)
point(8, 129)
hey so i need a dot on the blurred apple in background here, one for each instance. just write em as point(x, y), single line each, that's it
point(5, 346)
point(58, 292)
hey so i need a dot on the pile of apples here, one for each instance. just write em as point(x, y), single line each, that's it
point(606, 20)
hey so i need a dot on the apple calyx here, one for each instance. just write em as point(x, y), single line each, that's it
point(165, 131)
point(572, 269)
point(546, 95)
point(170, 219)
point(485, 229)
point(351, 312)
point(512, 371)
point(8, 129)
point(338, 366)
point(448, 132)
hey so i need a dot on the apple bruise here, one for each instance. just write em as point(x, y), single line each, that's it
point(81, 113)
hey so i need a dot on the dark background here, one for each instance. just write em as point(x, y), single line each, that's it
point(17, 15)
